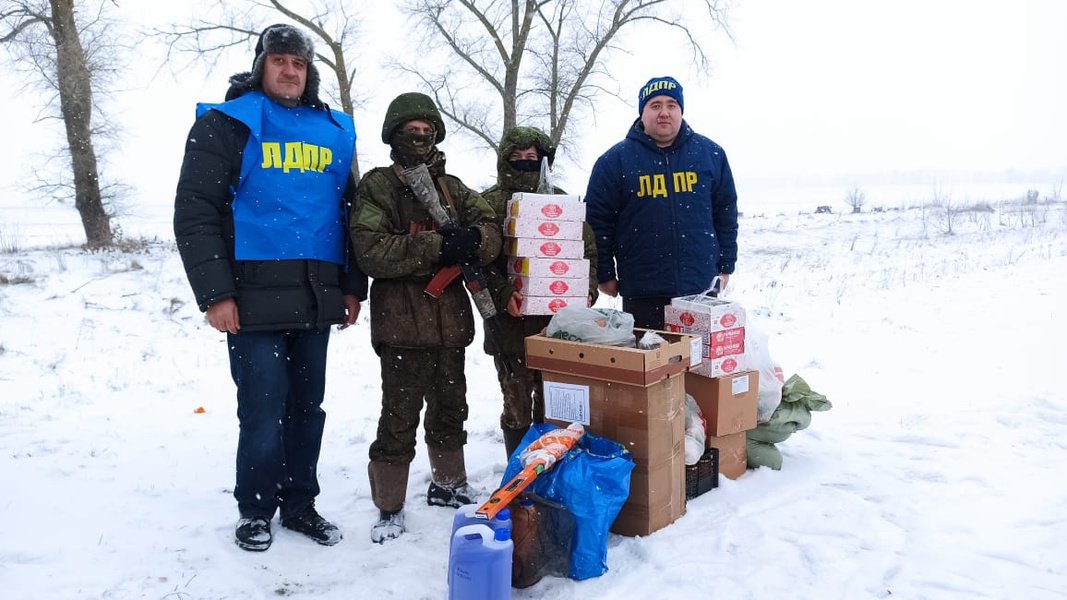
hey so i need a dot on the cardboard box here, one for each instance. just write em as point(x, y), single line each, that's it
point(541, 228)
point(649, 421)
point(657, 497)
point(727, 403)
point(548, 305)
point(717, 344)
point(542, 248)
point(704, 313)
point(733, 458)
point(557, 207)
point(725, 365)
point(614, 363)
point(551, 286)
point(725, 342)
point(549, 267)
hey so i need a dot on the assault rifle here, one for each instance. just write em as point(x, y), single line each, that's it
point(420, 181)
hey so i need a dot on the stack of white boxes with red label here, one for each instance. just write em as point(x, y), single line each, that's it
point(721, 324)
point(545, 251)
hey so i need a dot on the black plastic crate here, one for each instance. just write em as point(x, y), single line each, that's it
point(704, 475)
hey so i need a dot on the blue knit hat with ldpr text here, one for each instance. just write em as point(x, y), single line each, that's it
point(660, 86)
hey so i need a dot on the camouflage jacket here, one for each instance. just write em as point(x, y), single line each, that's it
point(513, 330)
point(396, 245)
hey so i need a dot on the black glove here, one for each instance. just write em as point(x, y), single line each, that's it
point(459, 244)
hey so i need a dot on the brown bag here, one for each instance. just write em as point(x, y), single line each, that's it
point(541, 532)
point(526, 556)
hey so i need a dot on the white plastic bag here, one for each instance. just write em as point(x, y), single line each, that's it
point(592, 325)
point(695, 436)
point(650, 340)
point(771, 378)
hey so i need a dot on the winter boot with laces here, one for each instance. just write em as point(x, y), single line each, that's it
point(389, 526)
point(253, 533)
point(310, 523)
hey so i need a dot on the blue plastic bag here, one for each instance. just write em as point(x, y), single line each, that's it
point(592, 481)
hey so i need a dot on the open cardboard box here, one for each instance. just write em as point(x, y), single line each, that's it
point(631, 366)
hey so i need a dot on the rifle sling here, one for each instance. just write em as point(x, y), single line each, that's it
point(448, 198)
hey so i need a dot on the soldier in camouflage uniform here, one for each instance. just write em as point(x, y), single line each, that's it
point(420, 339)
point(519, 159)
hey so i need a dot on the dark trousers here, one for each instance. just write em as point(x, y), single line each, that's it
point(281, 380)
point(411, 376)
point(523, 402)
point(647, 312)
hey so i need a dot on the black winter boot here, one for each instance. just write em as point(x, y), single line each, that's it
point(253, 533)
point(448, 485)
point(310, 523)
point(440, 495)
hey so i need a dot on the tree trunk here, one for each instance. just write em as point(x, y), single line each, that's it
point(76, 106)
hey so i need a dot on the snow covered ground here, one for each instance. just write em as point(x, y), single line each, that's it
point(937, 474)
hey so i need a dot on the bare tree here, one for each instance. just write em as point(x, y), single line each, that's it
point(484, 45)
point(45, 38)
point(856, 198)
point(226, 24)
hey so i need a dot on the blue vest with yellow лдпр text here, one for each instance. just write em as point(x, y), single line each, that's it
point(296, 163)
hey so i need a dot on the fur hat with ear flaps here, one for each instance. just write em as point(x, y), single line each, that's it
point(412, 106)
point(279, 39)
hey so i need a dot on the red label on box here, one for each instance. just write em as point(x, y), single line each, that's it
point(721, 350)
point(552, 211)
point(548, 229)
point(728, 320)
point(543, 286)
point(687, 319)
point(550, 249)
point(559, 267)
point(556, 304)
point(728, 337)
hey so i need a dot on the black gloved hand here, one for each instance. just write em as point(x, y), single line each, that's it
point(459, 244)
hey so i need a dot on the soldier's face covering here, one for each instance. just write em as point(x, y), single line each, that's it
point(526, 165)
point(412, 143)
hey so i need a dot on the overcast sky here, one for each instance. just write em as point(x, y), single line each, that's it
point(823, 90)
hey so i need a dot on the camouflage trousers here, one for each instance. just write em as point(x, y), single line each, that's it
point(523, 399)
point(411, 376)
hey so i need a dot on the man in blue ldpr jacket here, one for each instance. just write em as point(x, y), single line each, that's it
point(663, 207)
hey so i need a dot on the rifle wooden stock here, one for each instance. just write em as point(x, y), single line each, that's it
point(441, 279)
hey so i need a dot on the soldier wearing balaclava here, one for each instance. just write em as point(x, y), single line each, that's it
point(421, 338)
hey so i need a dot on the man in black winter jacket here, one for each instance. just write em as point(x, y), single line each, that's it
point(260, 221)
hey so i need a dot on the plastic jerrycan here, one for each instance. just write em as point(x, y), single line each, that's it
point(479, 563)
point(465, 515)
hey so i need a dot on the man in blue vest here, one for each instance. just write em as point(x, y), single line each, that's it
point(260, 220)
point(663, 206)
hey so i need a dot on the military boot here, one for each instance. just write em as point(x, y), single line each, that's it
point(449, 480)
point(388, 488)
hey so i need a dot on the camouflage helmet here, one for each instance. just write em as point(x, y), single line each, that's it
point(412, 106)
point(519, 138)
